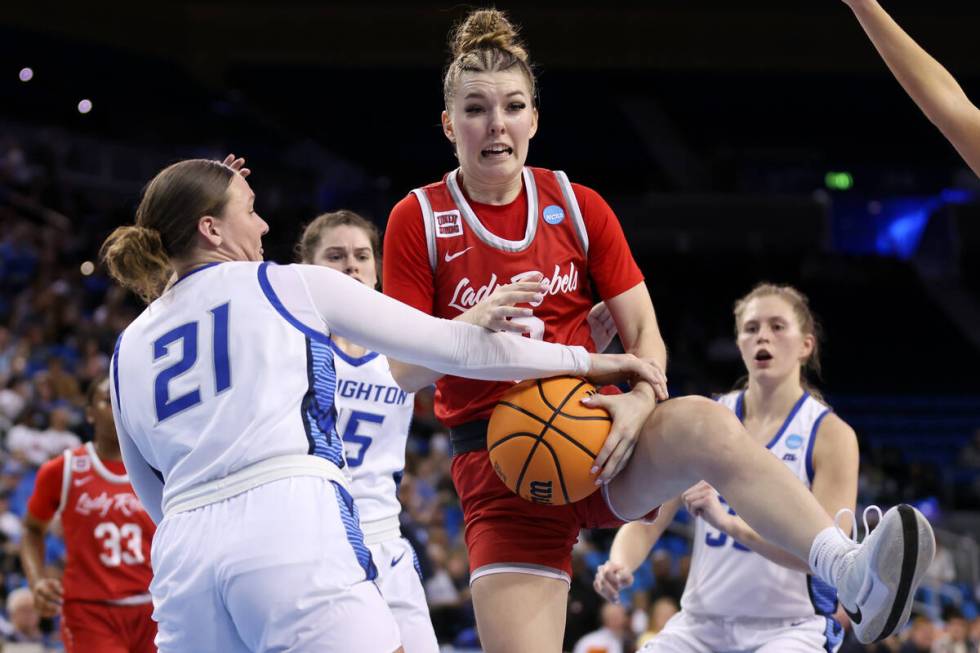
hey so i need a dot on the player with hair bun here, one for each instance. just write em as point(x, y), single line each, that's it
point(223, 394)
point(494, 221)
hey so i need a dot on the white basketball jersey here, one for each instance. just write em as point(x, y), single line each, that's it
point(373, 417)
point(726, 578)
point(206, 388)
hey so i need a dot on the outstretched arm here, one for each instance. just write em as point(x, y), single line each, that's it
point(498, 312)
point(385, 325)
point(929, 84)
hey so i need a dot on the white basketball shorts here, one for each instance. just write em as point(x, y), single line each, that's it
point(399, 578)
point(282, 566)
point(686, 633)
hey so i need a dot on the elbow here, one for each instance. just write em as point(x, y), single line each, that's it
point(407, 377)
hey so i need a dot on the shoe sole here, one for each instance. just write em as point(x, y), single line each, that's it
point(918, 549)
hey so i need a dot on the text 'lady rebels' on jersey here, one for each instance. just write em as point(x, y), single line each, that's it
point(465, 297)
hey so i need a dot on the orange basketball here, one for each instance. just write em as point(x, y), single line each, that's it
point(543, 441)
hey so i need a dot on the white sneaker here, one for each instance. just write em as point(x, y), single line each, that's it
point(877, 585)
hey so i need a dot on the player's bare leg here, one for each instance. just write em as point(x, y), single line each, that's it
point(690, 439)
point(520, 613)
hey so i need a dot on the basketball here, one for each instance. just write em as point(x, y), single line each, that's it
point(543, 441)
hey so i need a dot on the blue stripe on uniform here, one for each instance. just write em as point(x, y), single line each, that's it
point(195, 271)
point(309, 399)
point(319, 411)
point(823, 597)
point(353, 362)
point(789, 418)
point(115, 371)
point(809, 445)
point(415, 562)
point(833, 635)
point(352, 524)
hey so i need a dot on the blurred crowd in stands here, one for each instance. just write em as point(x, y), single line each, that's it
point(59, 317)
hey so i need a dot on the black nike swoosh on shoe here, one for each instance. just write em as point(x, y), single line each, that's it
point(398, 559)
point(855, 617)
point(910, 554)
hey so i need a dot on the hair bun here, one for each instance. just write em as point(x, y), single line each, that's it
point(135, 257)
point(487, 28)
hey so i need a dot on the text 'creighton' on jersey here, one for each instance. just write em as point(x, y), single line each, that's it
point(373, 417)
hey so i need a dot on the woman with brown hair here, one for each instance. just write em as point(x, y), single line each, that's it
point(223, 398)
point(494, 220)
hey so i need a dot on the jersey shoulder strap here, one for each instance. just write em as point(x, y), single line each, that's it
point(65, 480)
point(572, 203)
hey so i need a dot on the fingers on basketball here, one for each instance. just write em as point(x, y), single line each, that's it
point(543, 441)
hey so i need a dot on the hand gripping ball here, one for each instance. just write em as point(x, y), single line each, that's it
point(543, 441)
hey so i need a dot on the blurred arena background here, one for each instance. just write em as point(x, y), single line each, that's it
point(737, 142)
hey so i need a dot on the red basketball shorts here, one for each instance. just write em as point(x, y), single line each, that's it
point(505, 533)
point(89, 626)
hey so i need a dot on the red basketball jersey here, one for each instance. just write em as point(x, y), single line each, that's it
point(468, 261)
point(107, 532)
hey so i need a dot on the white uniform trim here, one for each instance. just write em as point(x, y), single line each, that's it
point(519, 568)
point(136, 599)
point(381, 530)
point(65, 480)
point(101, 469)
point(482, 232)
point(429, 224)
point(572, 202)
point(616, 513)
point(265, 471)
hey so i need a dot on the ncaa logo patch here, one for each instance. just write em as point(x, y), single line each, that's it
point(81, 464)
point(553, 214)
point(794, 442)
point(448, 224)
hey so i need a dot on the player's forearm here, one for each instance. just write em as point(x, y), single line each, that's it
point(633, 542)
point(926, 81)
point(746, 536)
point(452, 347)
point(32, 554)
point(647, 343)
point(412, 378)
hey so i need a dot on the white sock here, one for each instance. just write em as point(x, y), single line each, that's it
point(828, 554)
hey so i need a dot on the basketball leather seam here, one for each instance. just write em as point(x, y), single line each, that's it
point(552, 427)
point(561, 476)
point(540, 438)
point(558, 409)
